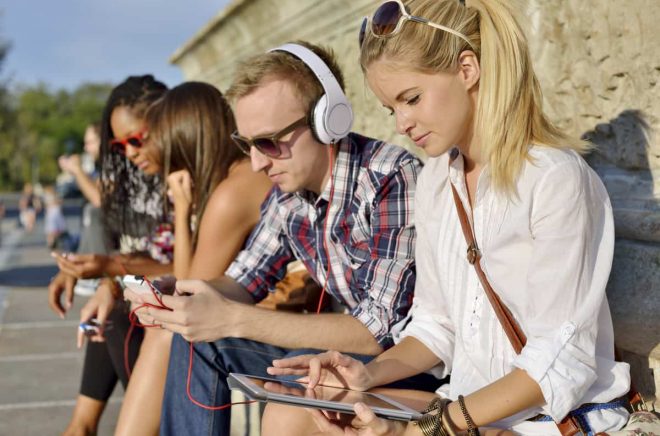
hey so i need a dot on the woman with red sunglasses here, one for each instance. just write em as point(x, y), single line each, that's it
point(132, 214)
point(504, 203)
point(216, 198)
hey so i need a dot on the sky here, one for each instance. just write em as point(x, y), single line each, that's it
point(64, 43)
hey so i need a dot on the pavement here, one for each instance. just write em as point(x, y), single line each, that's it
point(40, 366)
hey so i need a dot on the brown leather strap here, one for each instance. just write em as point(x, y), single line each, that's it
point(511, 328)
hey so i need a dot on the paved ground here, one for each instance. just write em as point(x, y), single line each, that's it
point(39, 364)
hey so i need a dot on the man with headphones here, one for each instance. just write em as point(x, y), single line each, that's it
point(342, 204)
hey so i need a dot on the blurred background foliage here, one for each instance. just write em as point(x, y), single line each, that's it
point(38, 124)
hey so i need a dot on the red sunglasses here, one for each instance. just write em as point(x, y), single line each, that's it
point(136, 140)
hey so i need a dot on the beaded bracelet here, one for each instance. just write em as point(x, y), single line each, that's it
point(472, 429)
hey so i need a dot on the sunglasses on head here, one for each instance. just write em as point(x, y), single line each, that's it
point(388, 19)
point(136, 140)
point(269, 145)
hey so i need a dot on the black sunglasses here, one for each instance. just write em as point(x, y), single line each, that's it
point(268, 145)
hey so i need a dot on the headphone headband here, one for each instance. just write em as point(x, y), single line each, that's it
point(333, 116)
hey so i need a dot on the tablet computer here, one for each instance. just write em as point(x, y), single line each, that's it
point(321, 397)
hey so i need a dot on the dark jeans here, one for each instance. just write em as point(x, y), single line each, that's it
point(212, 363)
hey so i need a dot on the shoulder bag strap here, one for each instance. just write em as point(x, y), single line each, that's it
point(511, 328)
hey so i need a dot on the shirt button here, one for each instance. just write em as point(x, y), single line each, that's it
point(568, 330)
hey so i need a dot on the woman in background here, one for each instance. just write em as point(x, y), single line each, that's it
point(133, 213)
point(216, 198)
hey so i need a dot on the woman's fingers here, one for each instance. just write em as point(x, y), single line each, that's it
point(324, 424)
point(286, 371)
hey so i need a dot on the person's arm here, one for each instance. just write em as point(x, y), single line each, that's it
point(99, 265)
point(293, 330)
point(137, 264)
point(386, 278)
point(207, 314)
point(87, 186)
point(180, 191)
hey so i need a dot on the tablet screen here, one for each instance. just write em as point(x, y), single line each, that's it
point(330, 394)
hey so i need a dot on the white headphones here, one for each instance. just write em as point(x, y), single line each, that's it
point(332, 116)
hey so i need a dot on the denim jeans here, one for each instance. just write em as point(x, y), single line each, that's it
point(212, 363)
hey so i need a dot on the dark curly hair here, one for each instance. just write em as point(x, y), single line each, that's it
point(131, 200)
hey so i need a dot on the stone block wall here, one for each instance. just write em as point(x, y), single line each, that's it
point(598, 62)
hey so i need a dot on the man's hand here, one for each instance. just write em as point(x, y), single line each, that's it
point(83, 266)
point(61, 283)
point(199, 312)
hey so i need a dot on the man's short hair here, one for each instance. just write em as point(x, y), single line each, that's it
point(253, 72)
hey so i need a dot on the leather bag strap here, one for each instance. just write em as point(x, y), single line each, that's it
point(511, 328)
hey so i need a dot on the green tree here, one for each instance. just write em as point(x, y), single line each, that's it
point(45, 122)
point(7, 120)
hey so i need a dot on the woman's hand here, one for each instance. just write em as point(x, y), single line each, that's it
point(83, 266)
point(180, 189)
point(99, 306)
point(365, 423)
point(61, 283)
point(330, 369)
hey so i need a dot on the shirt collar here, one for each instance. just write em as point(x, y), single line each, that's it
point(343, 168)
point(457, 176)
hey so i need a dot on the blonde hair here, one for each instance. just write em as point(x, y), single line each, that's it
point(253, 72)
point(509, 115)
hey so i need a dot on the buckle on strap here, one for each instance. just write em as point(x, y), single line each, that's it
point(473, 253)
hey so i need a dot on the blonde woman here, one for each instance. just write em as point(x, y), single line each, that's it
point(459, 77)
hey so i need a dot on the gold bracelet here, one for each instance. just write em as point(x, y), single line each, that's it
point(431, 423)
point(472, 429)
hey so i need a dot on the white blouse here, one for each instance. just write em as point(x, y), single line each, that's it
point(547, 253)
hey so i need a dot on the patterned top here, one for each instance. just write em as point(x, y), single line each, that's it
point(370, 236)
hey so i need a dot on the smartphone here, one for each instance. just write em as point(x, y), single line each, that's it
point(90, 328)
point(139, 285)
point(321, 397)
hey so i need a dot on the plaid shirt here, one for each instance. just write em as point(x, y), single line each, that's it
point(370, 236)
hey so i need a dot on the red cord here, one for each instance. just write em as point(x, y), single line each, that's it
point(197, 403)
point(132, 317)
point(331, 152)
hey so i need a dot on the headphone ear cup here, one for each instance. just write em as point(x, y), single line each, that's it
point(318, 123)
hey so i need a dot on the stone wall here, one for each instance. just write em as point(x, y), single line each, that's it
point(599, 65)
